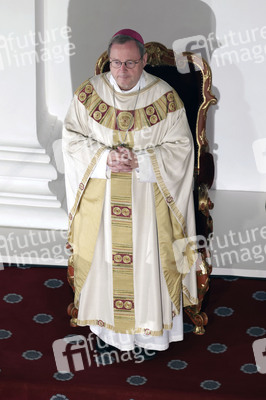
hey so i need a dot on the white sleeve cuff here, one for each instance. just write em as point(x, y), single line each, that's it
point(145, 171)
point(100, 171)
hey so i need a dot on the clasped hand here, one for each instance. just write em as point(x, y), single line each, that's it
point(122, 160)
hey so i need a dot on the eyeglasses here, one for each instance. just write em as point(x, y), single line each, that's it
point(129, 63)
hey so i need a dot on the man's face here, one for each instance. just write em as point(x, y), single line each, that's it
point(127, 78)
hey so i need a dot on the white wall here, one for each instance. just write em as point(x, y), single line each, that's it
point(239, 141)
point(238, 67)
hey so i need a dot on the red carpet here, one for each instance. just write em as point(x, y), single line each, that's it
point(218, 365)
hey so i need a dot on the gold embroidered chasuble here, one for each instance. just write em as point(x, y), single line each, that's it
point(153, 123)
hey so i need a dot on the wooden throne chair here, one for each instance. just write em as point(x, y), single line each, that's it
point(191, 77)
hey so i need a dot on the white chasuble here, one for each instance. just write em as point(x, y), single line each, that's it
point(134, 262)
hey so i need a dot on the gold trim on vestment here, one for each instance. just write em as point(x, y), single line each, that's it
point(127, 120)
point(168, 198)
point(171, 227)
point(79, 234)
point(82, 186)
point(165, 238)
point(144, 331)
point(84, 231)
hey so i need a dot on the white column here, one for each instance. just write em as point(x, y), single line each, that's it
point(25, 167)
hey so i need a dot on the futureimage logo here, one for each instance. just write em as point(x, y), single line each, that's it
point(76, 353)
point(225, 250)
point(233, 248)
point(232, 48)
point(33, 246)
point(35, 47)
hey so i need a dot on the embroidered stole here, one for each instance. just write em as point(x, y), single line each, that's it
point(122, 252)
